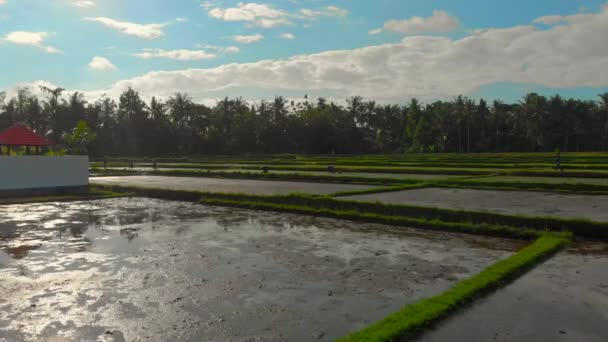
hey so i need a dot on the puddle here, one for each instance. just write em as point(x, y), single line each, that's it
point(128, 269)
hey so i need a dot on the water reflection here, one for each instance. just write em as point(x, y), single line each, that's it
point(25, 228)
point(108, 224)
point(81, 269)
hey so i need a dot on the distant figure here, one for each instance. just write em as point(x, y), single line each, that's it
point(265, 169)
point(130, 165)
point(558, 161)
point(105, 164)
point(331, 169)
point(154, 165)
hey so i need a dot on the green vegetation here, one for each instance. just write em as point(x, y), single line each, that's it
point(405, 215)
point(529, 185)
point(93, 192)
point(413, 318)
point(179, 126)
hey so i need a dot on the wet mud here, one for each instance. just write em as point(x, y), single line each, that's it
point(152, 270)
point(527, 203)
point(564, 299)
point(224, 185)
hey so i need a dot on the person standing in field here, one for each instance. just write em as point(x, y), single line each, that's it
point(558, 161)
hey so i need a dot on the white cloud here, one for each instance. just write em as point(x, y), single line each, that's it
point(288, 36)
point(207, 5)
point(439, 22)
point(181, 20)
point(83, 3)
point(30, 39)
point(181, 55)
point(329, 11)
point(232, 49)
point(220, 49)
point(248, 39)
point(26, 38)
point(549, 20)
point(570, 54)
point(2, 2)
point(101, 64)
point(374, 32)
point(147, 31)
point(261, 15)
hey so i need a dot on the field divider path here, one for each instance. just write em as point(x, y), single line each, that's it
point(296, 177)
point(566, 188)
point(473, 222)
point(410, 321)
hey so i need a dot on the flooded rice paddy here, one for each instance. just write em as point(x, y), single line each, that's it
point(223, 185)
point(152, 270)
point(527, 203)
point(563, 299)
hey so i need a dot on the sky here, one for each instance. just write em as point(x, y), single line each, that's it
point(386, 50)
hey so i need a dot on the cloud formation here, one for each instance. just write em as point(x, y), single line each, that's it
point(181, 55)
point(35, 39)
point(570, 53)
point(287, 36)
point(549, 20)
point(144, 31)
point(101, 64)
point(329, 11)
point(83, 3)
point(439, 22)
point(247, 39)
point(267, 16)
point(261, 15)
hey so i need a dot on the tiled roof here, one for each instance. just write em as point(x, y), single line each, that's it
point(20, 135)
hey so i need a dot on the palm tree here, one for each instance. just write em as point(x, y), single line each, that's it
point(604, 108)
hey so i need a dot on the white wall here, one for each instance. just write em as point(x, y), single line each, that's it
point(36, 172)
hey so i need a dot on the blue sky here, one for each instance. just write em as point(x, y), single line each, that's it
point(203, 47)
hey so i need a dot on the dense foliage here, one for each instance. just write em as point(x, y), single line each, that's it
point(181, 127)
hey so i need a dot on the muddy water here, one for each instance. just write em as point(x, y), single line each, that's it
point(564, 299)
point(151, 270)
point(544, 204)
point(224, 185)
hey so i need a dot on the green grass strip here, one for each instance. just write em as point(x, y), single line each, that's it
point(94, 192)
point(580, 227)
point(414, 317)
point(573, 188)
point(422, 184)
point(457, 227)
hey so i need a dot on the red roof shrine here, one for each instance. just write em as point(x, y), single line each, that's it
point(20, 135)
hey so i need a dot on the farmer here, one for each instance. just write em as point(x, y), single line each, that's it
point(154, 165)
point(331, 169)
point(105, 164)
point(558, 161)
point(265, 169)
point(130, 164)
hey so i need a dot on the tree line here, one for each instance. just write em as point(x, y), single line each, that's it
point(179, 126)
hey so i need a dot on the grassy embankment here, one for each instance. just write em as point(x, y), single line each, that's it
point(415, 317)
point(489, 181)
point(401, 215)
point(94, 192)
